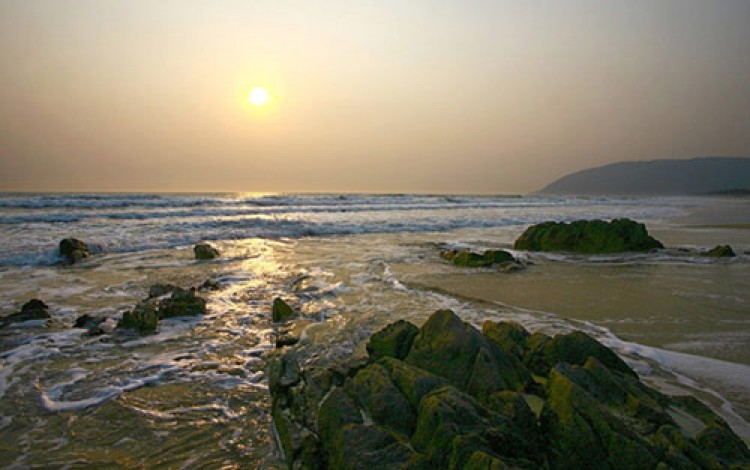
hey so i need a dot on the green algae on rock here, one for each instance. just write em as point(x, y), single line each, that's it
point(281, 311)
point(73, 250)
point(469, 259)
point(205, 251)
point(34, 309)
point(453, 397)
point(145, 316)
point(721, 251)
point(588, 236)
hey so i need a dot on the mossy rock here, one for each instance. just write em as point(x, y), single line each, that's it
point(582, 434)
point(450, 348)
point(394, 340)
point(34, 309)
point(144, 318)
point(73, 250)
point(573, 348)
point(470, 259)
point(374, 391)
point(281, 311)
point(146, 315)
point(364, 446)
point(414, 383)
point(510, 337)
point(721, 251)
point(182, 302)
point(588, 236)
point(204, 251)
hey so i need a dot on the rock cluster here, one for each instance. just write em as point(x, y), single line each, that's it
point(73, 250)
point(164, 301)
point(449, 396)
point(588, 236)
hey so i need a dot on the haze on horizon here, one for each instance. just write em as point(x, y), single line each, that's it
point(378, 96)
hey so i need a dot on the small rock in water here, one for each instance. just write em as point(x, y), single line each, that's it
point(73, 250)
point(158, 290)
point(205, 251)
point(281, 311)
point(721, 251)
point(469, 259)
point(34, 309)
point(87, 321)
point(146, 315)
point(209, 284)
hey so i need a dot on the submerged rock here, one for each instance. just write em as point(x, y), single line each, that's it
point(73, 250)
point(588, 236)
point(448, 396)
point(34, 309)
point(469, 259)
point(281, 311)
point(721, 251)
point(205, 251)
point(146, 315)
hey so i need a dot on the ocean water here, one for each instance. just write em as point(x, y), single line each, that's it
point(194, 395)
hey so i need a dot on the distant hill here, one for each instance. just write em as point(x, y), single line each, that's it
point(707, 175)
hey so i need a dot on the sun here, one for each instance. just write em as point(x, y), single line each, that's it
point(258, 96)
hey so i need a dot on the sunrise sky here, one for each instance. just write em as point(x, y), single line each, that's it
point(365, 96)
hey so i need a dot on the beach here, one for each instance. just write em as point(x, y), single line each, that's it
point(195, 393)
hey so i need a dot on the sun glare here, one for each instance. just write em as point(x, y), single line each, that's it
point(258, 96)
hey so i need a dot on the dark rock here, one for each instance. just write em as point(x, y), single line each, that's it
point(146, 315)
point(159, 290)
point(450, 348)
point(374, 391)
point(286, 340)
point(34, 309)
point(393, 341)
point(573, 348)
point(205, 251)
point(584, 434)
point(182, 302)
point(721, 251)
point(281, 311)
point(588, 236)
point(144, 318)
point(73, 250)
point(414, 383)
point(470, 259)
point(468, 407)
point(87, 321)
point(511, 337)
point(210, 285)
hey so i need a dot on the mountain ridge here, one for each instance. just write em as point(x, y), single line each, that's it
point(694, 176)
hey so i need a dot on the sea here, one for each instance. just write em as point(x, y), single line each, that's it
point(195, 394)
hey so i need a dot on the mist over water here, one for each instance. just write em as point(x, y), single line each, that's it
point(195, 393)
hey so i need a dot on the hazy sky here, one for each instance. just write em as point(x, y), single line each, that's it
point(405, 96)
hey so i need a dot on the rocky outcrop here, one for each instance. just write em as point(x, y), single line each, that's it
point(588, 236)
point(281, 311)
point(34, 309)
point(73, 250)
point(470, 259)
point(205, 251)
point(721, 251)
point(449, 396)
point(164, 301)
